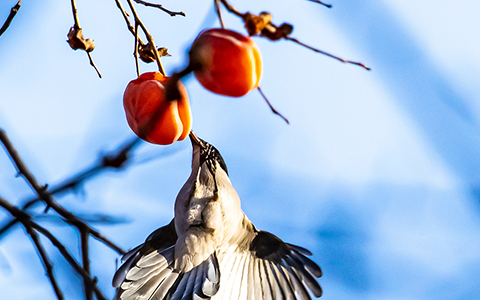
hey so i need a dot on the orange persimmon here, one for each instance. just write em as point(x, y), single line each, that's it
point(226, 62)
point(153, 118)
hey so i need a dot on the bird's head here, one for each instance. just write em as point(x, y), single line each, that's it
point(205, 157)
point(208, 181)
point(209, 171)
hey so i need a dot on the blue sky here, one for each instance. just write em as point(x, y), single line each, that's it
point(377, 174)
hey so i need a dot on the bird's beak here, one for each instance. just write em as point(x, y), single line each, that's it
point(195, 139)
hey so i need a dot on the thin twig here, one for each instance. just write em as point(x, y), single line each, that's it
point(93, 64)
point(135, 51)
point(271, 106)
point(148, 36)
point(159, 6)
point(232, 9)
point(328, 54)
point(322, 3)
point(47, 264)
point(219, 13)
point(75, 14)
point(27, 222)
point(77, 26)
point(10, 17)
point(127, 21)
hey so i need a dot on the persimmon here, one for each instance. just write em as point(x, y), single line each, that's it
point(226, 62)
point(151, 116)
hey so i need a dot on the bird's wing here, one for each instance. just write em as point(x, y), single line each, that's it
point(262, 268)
point(147, 265)
point(268, 269)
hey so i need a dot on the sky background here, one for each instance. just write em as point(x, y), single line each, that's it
point(377, 174)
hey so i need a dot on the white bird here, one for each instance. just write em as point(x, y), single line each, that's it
point(211, 250)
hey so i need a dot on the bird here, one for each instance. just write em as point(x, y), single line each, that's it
point(211, 250)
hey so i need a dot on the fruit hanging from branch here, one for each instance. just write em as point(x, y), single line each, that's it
point(226, 62)
point(152, 117)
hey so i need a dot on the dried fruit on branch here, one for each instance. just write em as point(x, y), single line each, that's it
point(147, 55)
point(226, 62)
point(77, 41)
point(151, 116)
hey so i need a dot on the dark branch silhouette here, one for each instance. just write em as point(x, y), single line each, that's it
point(8, 21)
point(30, 225)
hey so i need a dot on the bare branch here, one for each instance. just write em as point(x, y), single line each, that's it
point(77, 41)
point(10, 17)
point(115, 159)
point(322, 3)
point(148, 35)
point(261, 25)
point(159, 6)
point(46, 261)
point(271, 106)
point(28, 223)
point(75, 14)
point(127, 21)
point(328, 54)
point(231, 9)
point(93, 64)
point(47, 197)
point(86, 262)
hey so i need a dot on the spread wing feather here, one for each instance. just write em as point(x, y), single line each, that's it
point(266, 269)
point(269, 270)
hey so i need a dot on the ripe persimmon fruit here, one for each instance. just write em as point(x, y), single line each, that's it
point(226, 62)
point(151, 116)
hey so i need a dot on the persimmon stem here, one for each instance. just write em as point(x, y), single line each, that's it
point(171, 86)
point(322, 3)
point(135, 51)
point(271, 106)
point(10, 17)
point(328, 54)
point(219, 13)
point(159, 6)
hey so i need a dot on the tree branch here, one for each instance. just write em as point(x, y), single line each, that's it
point(271, 106)
point(127, 21)
point(86, 261)
point(10, 17)
point(148, 36)
point(322, 3)
point(47, 197)
point(159, 6)
point(28, 223)
point(262, 25)
point(75, 38)
point(328, 54)
point(46, 261)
